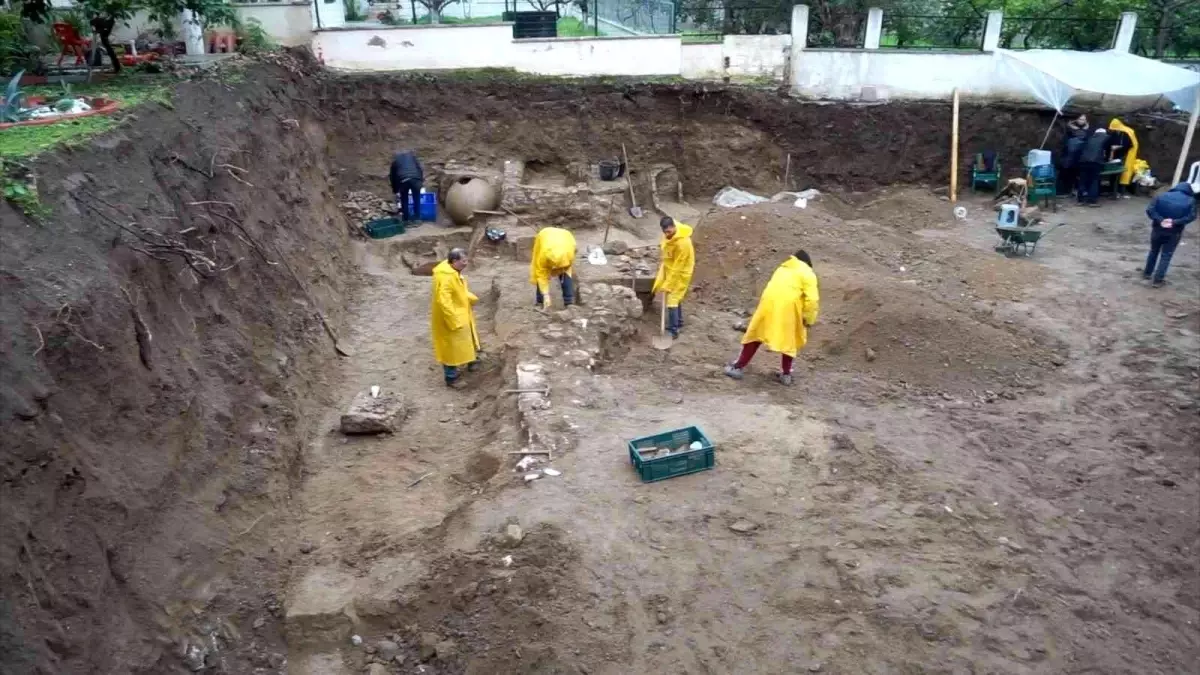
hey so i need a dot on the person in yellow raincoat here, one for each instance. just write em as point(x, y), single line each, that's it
point(788, 306)
point(1125, 148)
point(452, 318)
point(678, 260)
point(553, 256)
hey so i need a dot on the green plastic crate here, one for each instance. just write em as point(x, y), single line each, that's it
point(675, 464)
point(382, 228)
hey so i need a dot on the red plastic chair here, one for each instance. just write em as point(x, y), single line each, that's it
point(71, 43)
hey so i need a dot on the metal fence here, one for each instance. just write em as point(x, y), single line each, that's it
point(1171, 42)
point(932, 32)
point(628, 17)
point(845, 30)
point(1050, 33)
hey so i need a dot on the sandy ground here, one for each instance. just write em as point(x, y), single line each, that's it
point(1019, 496)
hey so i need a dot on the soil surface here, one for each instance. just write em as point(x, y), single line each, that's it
point(986, 463)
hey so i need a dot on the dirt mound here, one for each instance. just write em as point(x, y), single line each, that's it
point(882, 289)
point(497, 609)
point(898, 333)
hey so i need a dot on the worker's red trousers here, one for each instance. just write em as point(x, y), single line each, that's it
point(748, 351)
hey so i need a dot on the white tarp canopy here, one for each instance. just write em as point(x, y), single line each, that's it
point(1055, 75)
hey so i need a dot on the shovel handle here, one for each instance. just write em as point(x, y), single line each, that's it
point(662, 324)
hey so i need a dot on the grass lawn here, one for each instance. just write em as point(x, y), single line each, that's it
point(130, 90)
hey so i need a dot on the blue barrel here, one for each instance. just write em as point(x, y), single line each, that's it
point(428, 206)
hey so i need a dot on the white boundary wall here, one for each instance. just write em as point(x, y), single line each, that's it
point(747, 56)
point(492, 46)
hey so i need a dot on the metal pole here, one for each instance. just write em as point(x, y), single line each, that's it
point(414, 10)
point(596, 18)
point(1187, 139)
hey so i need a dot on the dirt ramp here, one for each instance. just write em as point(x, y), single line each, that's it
point(159, 354)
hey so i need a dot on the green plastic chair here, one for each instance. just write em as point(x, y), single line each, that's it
point(1043, 186)
point(985, 178)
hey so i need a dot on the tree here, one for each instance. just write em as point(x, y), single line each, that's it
point(103, 15)
point(435, 8)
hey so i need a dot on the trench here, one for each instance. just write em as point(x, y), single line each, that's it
point(175, 495)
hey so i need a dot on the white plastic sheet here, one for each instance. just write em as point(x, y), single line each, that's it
point(731, 198)
point(1055, 75)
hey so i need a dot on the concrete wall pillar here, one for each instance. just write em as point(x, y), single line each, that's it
point(991, 30)
point(799, 42)
point(193, 32)
point(1125, 29)
point(799, 27)
point(874, 28)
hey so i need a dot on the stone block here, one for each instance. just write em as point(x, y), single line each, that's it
point(371, 415)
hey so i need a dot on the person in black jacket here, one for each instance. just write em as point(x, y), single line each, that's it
point(1169, 213)
point(1091, 160)
point(1068, 159)
point(407, 178)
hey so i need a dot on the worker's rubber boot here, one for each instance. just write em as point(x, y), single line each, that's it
point(733, 371)
point(784, 378)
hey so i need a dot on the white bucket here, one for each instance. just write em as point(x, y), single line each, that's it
point(1008, 216)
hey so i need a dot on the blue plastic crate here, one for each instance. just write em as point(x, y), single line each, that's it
point(677, 463)
point(427, 211)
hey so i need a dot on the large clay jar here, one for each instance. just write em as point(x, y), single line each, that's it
point(468, 195)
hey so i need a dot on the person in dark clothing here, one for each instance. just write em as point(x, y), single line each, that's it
point(407, 178)
point(1068, 162)
point(1169, 213)
point(1091, 160)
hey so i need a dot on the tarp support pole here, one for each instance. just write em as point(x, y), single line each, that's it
point(954, 151)
point(1187, 139)
point(1049, 129)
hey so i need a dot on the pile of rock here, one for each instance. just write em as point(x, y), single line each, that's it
point(362, 206)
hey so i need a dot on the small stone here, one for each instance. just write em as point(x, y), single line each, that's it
point(1058, 360)
point(377, 669)
point(870, 354)
point(446, 649)
point(356, 640)
point(387, 649)
point(815, 667)
point(307, 547)
point(513, 535)
point(616, 247)
point(260, 622)
point(429, 643)
point(662, 617)
point(743, 526)
point(780, 492)
point(640, 499)
point(741, 325)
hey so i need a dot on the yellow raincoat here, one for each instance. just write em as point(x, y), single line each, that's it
point(452, 321)
point(553, 254)
point(678, 262)
point(789, 304)
point(1131, 156)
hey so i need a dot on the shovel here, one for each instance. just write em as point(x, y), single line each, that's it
point(634, 210)
point(662, 341)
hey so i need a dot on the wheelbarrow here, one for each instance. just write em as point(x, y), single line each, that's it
point(1019, 240)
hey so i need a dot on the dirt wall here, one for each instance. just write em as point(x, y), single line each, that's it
point(151, 400)
point(716, 136)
